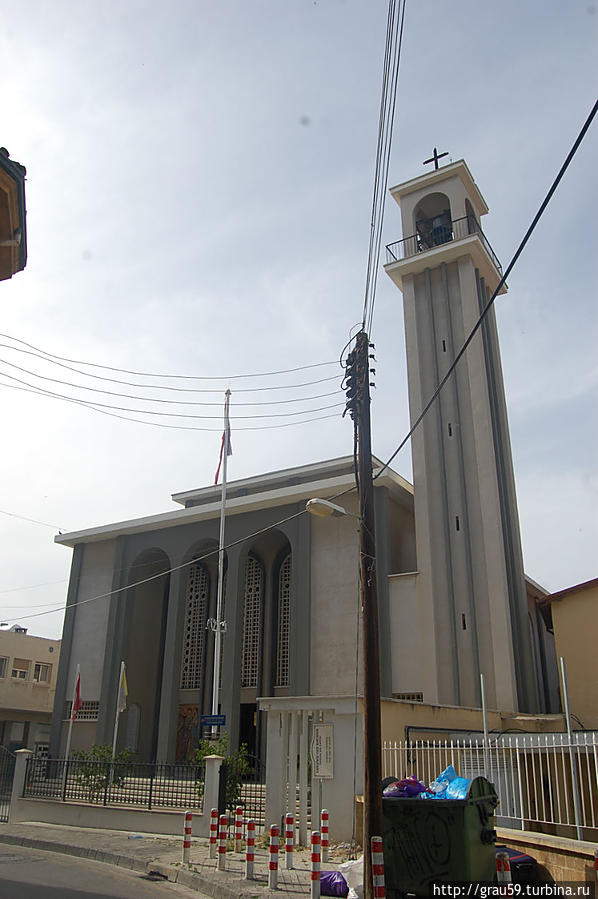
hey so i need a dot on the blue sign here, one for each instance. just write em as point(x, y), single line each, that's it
point(212, 720)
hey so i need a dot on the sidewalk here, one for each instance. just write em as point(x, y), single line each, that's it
point(149, 853)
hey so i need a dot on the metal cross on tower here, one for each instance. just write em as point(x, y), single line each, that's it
point(435, 158)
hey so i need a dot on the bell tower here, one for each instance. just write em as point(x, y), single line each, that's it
point(470, 598)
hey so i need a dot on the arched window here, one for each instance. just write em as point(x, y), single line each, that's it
point(196, 603)
point(284, 620)
point(252, 622)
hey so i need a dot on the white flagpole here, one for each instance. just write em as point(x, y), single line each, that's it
point(219, 625)
point(117, 715)
point(70, 733)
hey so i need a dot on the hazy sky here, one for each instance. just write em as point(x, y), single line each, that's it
point(199, 181)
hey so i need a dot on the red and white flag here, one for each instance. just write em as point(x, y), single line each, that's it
point(78, 701)
point(225, 438)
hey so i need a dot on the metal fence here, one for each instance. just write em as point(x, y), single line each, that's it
point(420, 243)
point(544, 781)
point(124, 784)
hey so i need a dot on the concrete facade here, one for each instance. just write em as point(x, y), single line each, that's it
point(468, 602)
point(111, 616)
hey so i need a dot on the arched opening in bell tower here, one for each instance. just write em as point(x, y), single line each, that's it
point(433, 221)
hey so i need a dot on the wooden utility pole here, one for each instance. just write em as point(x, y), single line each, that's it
point(358, 395)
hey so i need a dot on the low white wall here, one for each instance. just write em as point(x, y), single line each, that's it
point(74, 814)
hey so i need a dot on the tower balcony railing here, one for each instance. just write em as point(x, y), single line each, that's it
point(436, 237)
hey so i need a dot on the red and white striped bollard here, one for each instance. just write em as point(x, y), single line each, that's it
point(315, 865)
point(213, 833)
point(223, 823)
point(273, 863)
point(289, 840)
point(324, 818)
point(187, 837)
point(379, 889)
point(239, 828)
point(503, 870)
point(250, 850)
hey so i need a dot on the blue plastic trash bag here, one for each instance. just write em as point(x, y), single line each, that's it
point(448, 786)
point(332, 883)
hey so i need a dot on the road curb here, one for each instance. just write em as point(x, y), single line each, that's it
point(96, 855)
point(191, 879)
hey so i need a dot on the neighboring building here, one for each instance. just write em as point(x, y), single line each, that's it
point(573, 617)
point(468, 602)
point(13, 231)
point(28, 669)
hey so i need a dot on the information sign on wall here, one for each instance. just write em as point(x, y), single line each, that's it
point(322, 751)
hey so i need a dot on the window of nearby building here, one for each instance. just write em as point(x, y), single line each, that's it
point(3, 666)
point(20, 668)
point(42, 673)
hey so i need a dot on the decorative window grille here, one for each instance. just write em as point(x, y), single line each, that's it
point(252, 622)
point(409, 697)
point(87, 712)
point(284, 620)
point(196, 603)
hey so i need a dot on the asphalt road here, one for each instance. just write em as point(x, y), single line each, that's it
point(32, 874)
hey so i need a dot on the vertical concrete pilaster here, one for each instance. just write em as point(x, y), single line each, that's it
point(169, 706)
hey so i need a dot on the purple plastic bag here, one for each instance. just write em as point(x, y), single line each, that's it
point(408, 788)
point(332, 883)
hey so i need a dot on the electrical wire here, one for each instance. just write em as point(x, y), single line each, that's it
point(32, 520)
point(502, 281)
point(39, 391)
point(165, 387)
point(149, 399)
point(392, 57)
point(31, 586)
point(146, 374)
point(99, 405)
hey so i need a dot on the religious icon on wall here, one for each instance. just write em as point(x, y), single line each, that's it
point(187, 732)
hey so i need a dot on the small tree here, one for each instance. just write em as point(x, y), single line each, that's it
point(237, 765)
point(96, 771)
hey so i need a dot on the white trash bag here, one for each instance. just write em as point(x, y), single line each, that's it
point(352, 871)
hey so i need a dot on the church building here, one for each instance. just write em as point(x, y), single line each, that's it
point(453, 599)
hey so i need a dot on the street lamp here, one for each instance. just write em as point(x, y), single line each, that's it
point(322, 508)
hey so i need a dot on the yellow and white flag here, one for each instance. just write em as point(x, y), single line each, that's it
point(123, 690)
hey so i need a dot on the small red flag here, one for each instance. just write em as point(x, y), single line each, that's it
point(229, 452)
point(78, 701)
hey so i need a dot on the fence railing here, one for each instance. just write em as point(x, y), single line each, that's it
point(129, 784)
point(455, 230)
point(536, 776)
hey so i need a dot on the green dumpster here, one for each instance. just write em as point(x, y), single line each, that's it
point(429, 841)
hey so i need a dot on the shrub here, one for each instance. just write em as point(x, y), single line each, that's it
point(95, 770)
